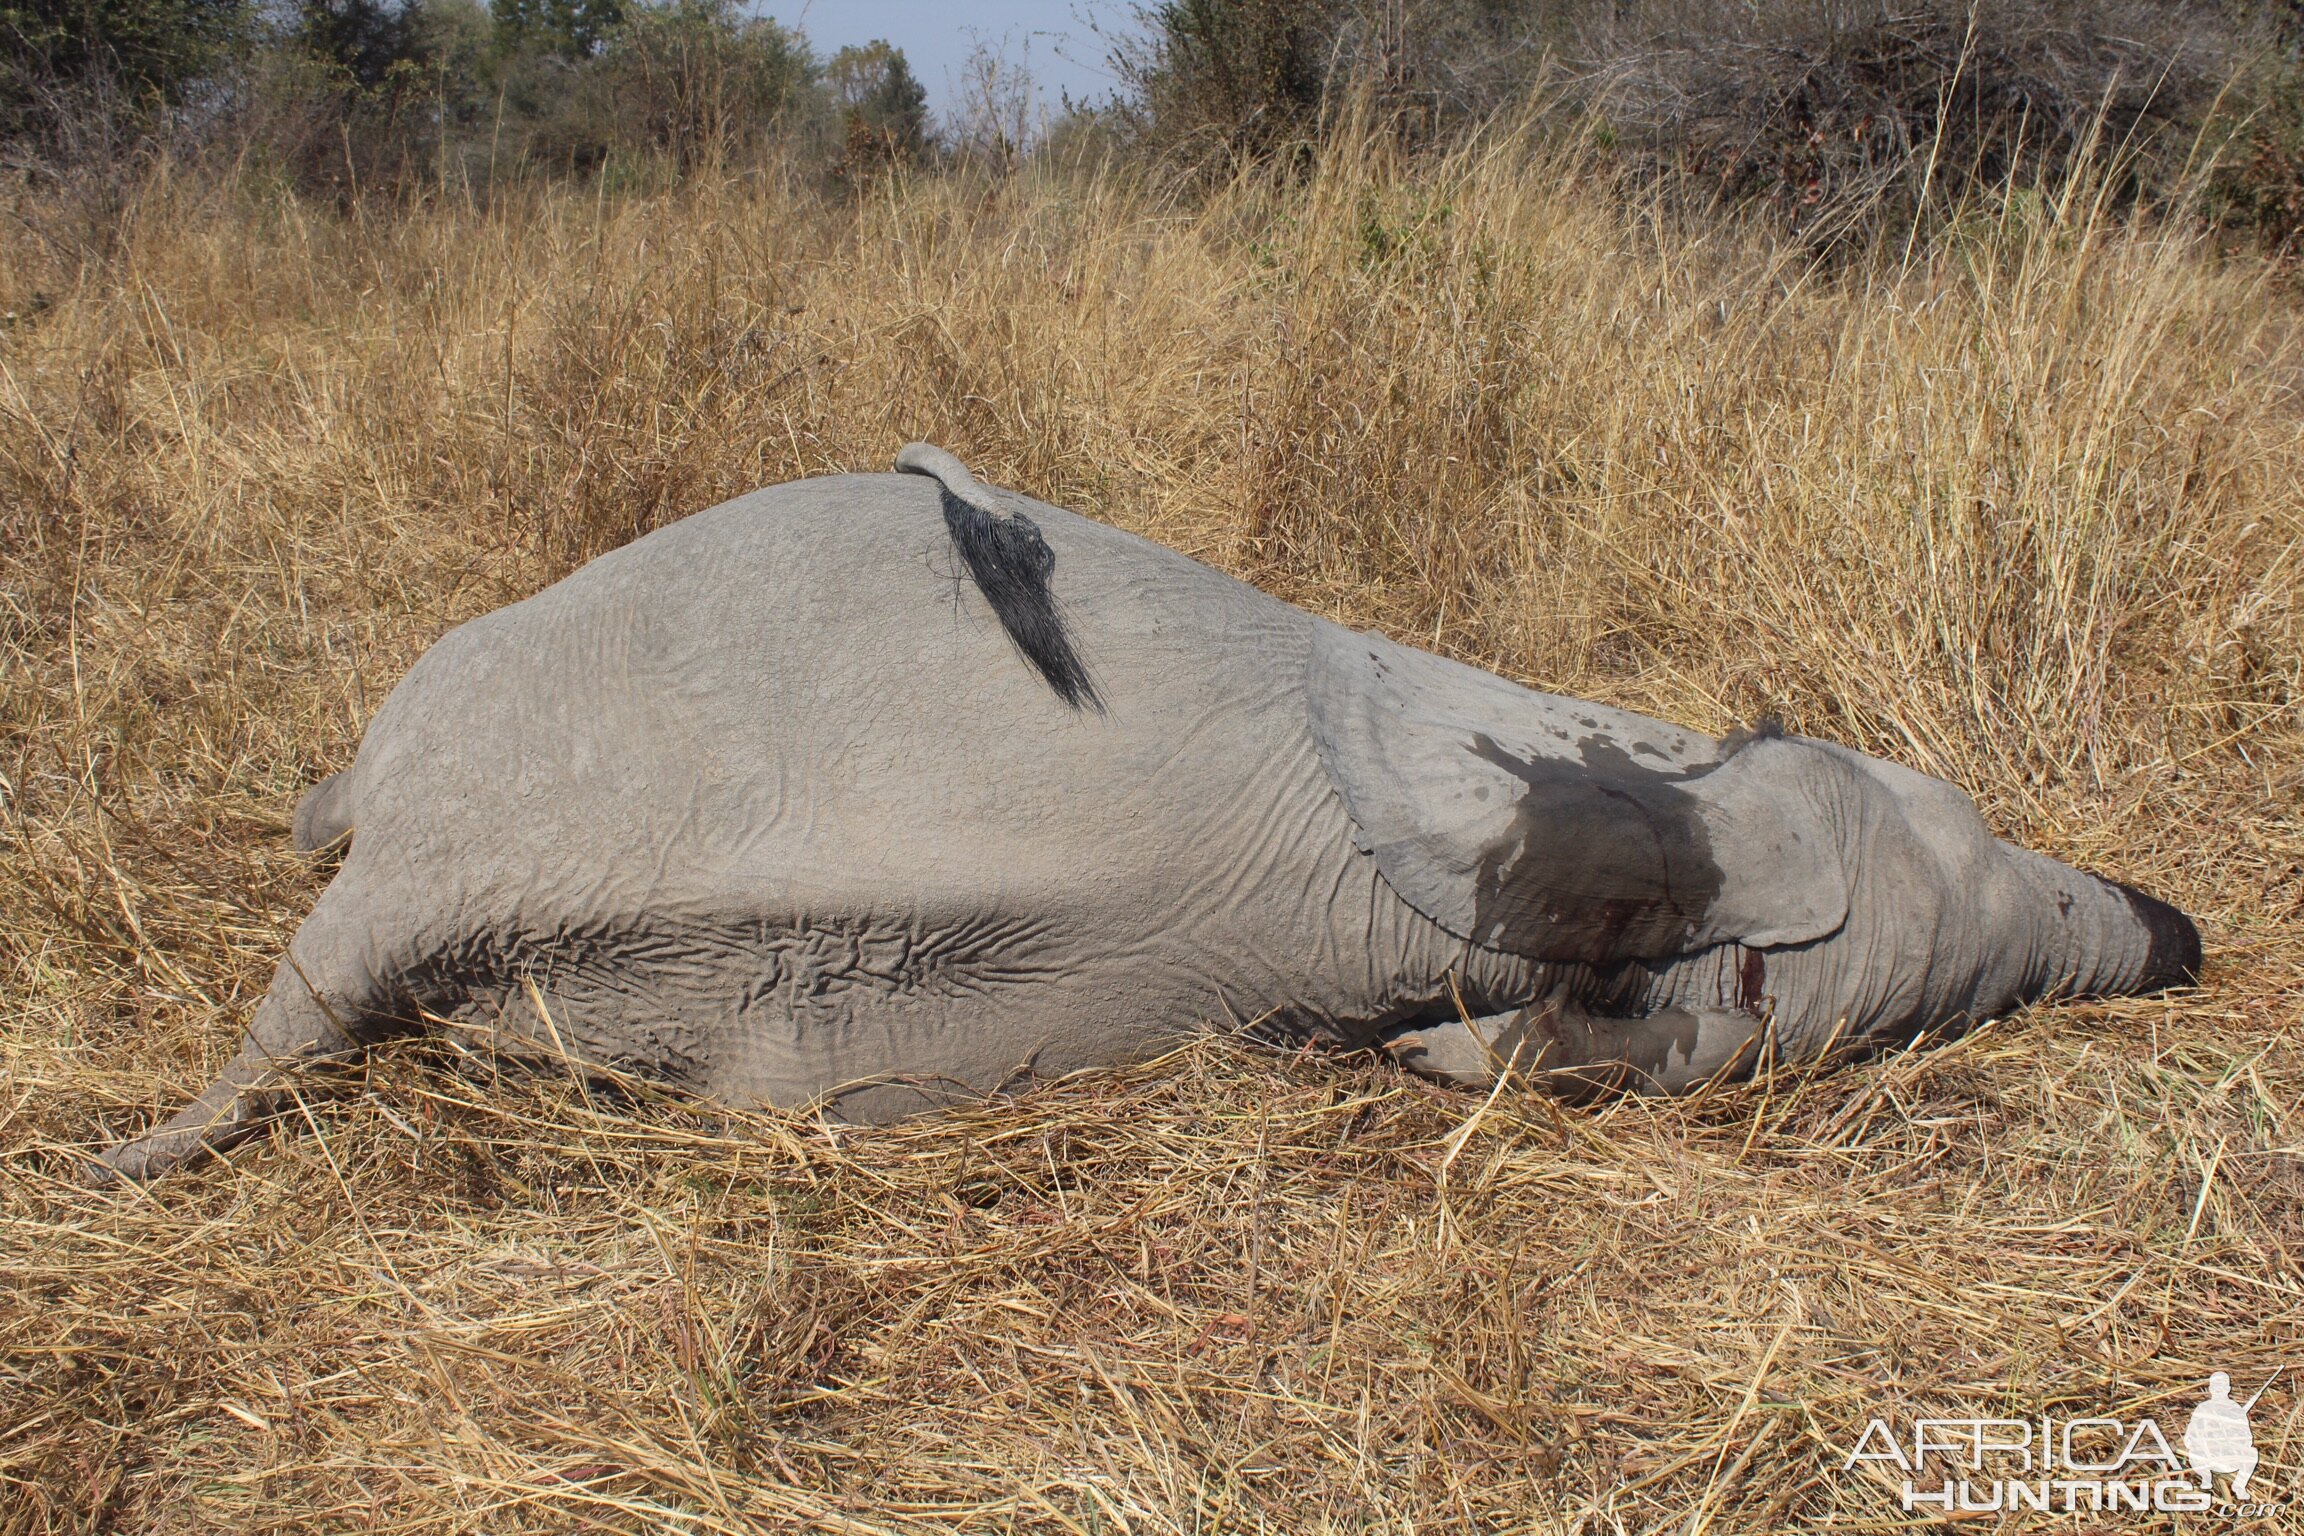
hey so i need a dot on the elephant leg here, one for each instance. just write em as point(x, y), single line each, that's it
point(324, 1003)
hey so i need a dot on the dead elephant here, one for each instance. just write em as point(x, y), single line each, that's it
point(882, 791)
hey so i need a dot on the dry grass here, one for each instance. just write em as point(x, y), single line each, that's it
point(2026, 514)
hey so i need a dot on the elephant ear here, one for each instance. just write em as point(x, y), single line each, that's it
point(1566, 831)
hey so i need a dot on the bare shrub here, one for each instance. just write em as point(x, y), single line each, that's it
point(82, 151)
point(1841, 117)
point(1848, 116)
point(995, 121)
point(2258, 185)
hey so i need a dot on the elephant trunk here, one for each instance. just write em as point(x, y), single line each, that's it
point(2097, 937)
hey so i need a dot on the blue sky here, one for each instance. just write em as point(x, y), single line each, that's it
point(1053, 37)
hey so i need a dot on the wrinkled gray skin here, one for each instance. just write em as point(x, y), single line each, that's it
point(767, 806)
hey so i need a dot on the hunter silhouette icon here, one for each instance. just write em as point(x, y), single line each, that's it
point(2218, 1438)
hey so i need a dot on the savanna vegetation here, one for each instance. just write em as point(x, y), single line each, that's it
point(1997, 470)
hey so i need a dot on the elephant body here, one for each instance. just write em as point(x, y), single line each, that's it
point(778, 805)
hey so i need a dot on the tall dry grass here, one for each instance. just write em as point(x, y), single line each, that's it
point(2022, 510)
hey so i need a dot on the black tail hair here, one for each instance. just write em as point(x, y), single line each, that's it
point(1011, 563)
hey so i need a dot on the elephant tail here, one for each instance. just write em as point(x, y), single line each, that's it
point(324, 816)
point(1011, 564)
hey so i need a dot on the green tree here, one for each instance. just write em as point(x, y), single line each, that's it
point(362, 41)
point(882, 107)
point(697, 80)
point(570, 29)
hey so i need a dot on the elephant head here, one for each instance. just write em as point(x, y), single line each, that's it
point(1704, 900)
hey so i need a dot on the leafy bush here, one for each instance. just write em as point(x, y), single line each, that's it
point(882, 108)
